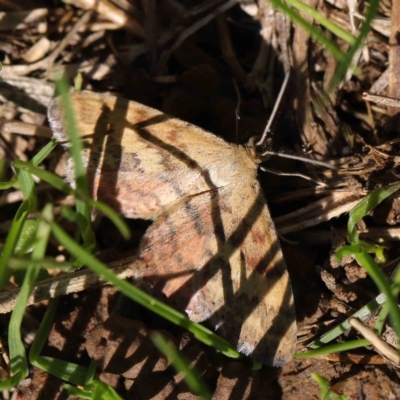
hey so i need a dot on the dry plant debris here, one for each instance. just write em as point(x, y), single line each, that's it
point(204, 62)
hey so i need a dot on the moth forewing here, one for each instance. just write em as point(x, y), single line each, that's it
point(212, 248)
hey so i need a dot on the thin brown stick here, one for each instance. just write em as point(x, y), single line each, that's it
point(382, 100)
point(65, 284)
point(380, 345)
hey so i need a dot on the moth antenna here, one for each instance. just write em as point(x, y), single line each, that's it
point(299, 158)
point(237, 109)
point(306, 177)
point(274, 110)
point(263, 140)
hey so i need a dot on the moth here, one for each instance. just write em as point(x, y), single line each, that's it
point(212, 248)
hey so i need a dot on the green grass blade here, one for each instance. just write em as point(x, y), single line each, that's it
point(27, 238)
point(345, 59)
point(310, 28)
point(16, 263)
point(380, 320)
point(14, 380)
point(115, 218)
point(192, 379)
point(78, 82)
point(44, 152)
point(91, 373)
point(76, 147)
point(36, 160)
point(28, 188)
point(7, 185)
point(333, 348)
point(326, 392)
point(18, 362)
point(12, 240)
point(75, 151)
point(64, 370)
point(319, 17)
point(365, 28)
point(104, 392)
point(43, 332)
point(81, 393)
point(365, 206)
point(99, 390)
point(3, 167)
point(44, 175)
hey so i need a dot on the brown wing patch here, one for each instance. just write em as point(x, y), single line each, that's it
point(213, 269)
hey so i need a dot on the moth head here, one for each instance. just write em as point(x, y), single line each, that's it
point(259, 150)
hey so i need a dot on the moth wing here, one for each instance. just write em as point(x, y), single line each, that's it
point(222, 261)
point(139, 160)
point(213, 238)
